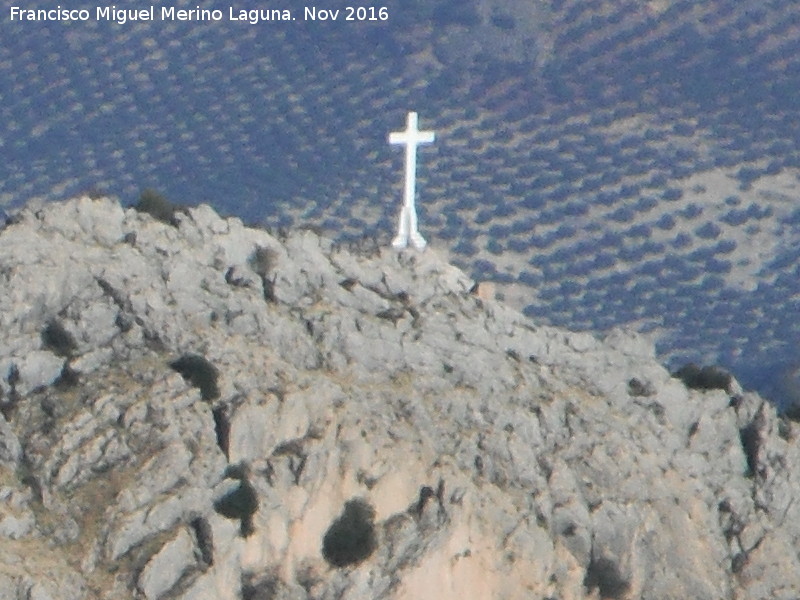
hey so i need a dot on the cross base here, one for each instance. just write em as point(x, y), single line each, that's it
point(407, 230)
point(401, 241)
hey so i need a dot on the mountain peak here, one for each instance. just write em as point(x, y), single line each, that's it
point(193, 408)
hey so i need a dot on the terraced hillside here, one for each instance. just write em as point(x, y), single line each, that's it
point(609, 163)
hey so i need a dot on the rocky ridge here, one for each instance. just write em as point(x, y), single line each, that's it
point(201, 410)
point(664, 132)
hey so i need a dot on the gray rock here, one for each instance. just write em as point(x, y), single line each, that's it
point(10, 448)
point(37, 368)
point(16, 527)
point(173, 562)
point(16, 518)
point(39, 591)
point(8, 587)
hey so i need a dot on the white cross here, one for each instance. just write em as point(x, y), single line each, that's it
point(411, 137)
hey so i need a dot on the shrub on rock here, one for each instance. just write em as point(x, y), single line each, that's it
point(704, 378)
point(157, 206)
point(604, 575)
point(259, 589)
point(57, 339)
point(241, 502)
point(262, 261)
point(200, 373)
point(351, 538)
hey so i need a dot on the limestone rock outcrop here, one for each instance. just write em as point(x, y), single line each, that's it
point(202, 410)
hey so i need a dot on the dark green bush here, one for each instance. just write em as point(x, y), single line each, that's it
point(351, 538)
point(504, 21)
point(95, 192)
point(262, 261)
point(604, 575)
point(68, 377)
point(750, 437)
point(262, 589)
point(157, 206)
point(198, 372)
point(240, 503)
point(704, 378)
point(636, 387)
point(57, 339)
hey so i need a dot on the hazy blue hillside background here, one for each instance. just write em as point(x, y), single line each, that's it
point(612, 163)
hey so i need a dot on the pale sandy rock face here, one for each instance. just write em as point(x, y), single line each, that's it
point(343, 425)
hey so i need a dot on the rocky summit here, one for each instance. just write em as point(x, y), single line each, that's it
point(194, 409)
